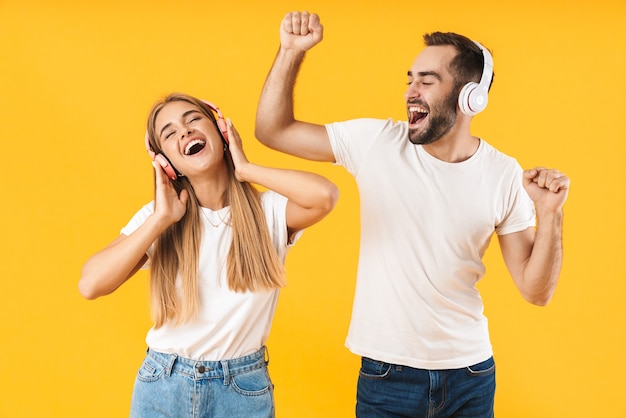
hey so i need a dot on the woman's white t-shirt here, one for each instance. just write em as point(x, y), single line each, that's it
point(230, 324)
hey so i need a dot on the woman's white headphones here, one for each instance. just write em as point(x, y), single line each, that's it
point(473, 96)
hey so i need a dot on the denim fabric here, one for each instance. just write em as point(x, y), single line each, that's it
point(175, 387)
point(387, 390)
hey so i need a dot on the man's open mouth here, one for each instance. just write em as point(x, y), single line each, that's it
point(416, 113)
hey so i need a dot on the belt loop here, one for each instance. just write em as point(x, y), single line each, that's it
point(266, 355)
point(226, 372)
point(170, 366)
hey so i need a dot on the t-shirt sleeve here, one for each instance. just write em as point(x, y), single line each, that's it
point(135, 222)
point(275, 208)
point(521, 214)
point(351, 140)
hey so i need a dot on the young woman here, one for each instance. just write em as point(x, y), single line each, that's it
point(216, 248)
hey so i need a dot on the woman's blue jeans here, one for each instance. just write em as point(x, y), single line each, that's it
point(175, 387)
point(393, 391)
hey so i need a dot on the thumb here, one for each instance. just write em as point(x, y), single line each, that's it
point(184, 197)
point(529, 175)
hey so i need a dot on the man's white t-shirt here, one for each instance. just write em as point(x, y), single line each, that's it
point(425, 226)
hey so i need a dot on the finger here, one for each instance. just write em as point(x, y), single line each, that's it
point(296, 22)
point(158, 172)
point(551, 175)
point(530, 173)
point(304, 23)
point(542, 178)
point(314, 23)
point(557, 181)
point(232, 131)
point(539, 175)
point(546, 177)
point(287, 23)
point(550, 179)
point(230, 126)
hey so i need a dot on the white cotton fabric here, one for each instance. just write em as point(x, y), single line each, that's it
point(425, 226)
point(230, 324)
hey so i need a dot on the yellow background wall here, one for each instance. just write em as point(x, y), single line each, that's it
point(77, 79)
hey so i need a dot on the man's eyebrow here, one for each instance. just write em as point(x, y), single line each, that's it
point(187, 113)
point(425, 73)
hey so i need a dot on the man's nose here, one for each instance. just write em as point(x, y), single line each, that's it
point(412, 91)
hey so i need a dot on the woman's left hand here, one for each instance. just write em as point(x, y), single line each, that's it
point(236, 151)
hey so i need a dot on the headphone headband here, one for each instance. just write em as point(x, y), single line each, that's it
point(485, 78)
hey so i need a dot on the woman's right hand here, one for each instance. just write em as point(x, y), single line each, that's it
point(169, 206)
point(110, 267)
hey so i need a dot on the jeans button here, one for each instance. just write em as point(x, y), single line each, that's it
point(201, 369)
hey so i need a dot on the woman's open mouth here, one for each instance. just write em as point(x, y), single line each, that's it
point(195, 147)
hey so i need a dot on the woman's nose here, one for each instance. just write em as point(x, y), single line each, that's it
point(186, 132)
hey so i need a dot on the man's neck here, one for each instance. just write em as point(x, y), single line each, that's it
point(453, 148)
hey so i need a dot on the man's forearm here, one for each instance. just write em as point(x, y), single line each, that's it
point(544, 264)
point(275, 109)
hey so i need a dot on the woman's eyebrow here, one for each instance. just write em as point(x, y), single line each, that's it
point(164, 128)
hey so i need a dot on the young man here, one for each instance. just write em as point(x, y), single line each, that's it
point(432, 195)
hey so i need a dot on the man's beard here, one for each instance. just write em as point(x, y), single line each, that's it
point(442, 117)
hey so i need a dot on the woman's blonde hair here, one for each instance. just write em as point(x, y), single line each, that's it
point(252, 263)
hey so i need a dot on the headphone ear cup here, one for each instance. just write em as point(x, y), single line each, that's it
point(167, 167)
point(478, 99)
point(473, 97)
point(221, 124)
point(465, 99)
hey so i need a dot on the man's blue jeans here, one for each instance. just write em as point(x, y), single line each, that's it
point(390, 391)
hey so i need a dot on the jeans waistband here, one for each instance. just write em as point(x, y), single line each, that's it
point(198, 369)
